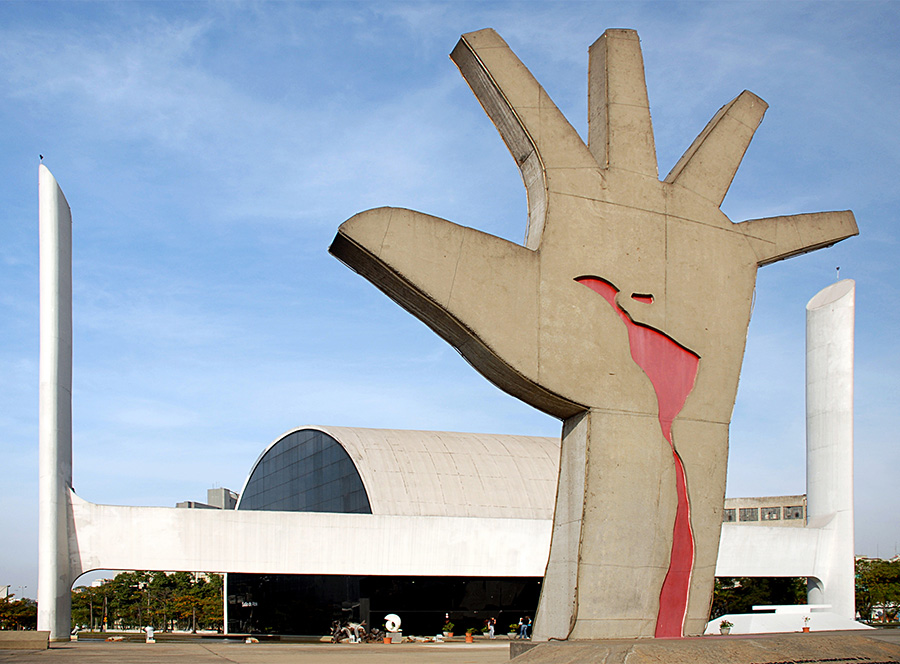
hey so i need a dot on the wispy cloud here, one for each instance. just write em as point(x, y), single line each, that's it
point(209, 151)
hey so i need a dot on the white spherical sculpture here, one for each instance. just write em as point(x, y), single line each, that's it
point(392, 622)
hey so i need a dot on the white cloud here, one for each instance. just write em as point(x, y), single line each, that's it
point(209, 152)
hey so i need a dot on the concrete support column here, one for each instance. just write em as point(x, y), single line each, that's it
point(829, 441)
point(55, 409)
point(225, 604)
point(558, 604)
point(612, 540)
point(610, 532)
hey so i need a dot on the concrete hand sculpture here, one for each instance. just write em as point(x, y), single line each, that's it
point(644, 376)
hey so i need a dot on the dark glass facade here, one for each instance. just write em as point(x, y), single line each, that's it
point(306, 471)
point(309, 471)
point(295, 604)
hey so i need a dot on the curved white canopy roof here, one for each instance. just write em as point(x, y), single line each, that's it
point(438, 473)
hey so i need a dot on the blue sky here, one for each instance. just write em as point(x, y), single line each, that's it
point(209, 152)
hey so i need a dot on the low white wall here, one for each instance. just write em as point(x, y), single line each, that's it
point(768, 551)
point(161, 538)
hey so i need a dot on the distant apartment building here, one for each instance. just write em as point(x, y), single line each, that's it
point(789, 511)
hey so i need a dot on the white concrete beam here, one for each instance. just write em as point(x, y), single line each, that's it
point(163, 538)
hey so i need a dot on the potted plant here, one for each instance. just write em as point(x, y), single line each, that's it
point(513, 630)
point(470, 635)
point(805, 623)
point(447, 629)
point(725, 626)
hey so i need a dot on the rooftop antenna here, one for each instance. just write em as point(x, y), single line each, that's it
point(838, 273)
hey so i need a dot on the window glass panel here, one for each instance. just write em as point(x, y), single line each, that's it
point(749, 514)
point(306, 471)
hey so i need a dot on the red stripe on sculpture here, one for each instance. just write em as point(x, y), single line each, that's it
point(672, 369)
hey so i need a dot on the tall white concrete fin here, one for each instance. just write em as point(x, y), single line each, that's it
point(829, 440)
point(823, 550)
point(55, 409)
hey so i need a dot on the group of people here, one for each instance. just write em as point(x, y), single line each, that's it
point(524, 628)
point(523, 631)
point(357, 632)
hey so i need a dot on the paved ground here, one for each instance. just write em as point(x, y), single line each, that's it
point(218, 652)
point(214, 651)
point(873, 646)
point(889, 635)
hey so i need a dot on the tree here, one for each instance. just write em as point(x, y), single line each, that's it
point(128, 600)
point(179, 600)
point(209, 594)
point(18, 614)
point(87, 606)
point(877, 588)
point(740, 595)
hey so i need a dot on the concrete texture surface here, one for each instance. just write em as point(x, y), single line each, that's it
point(55, 408)
point(217, 652)
point(166, 538)
point(446, 473)
point(830, 333)
point(639, 502)
point(875, 647)
point(822, 551)
point(24, 640)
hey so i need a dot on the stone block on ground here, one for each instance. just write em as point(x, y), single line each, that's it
point(24, 640)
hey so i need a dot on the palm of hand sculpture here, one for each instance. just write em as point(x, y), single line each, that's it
point(645, 375)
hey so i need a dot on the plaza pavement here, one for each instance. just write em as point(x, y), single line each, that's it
point(220, 651)
point(209, 651)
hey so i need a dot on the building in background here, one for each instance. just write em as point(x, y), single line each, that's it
point(216, 499)
point(398, 473)
point(367, 518)
point(784, 511)
point(372, 472)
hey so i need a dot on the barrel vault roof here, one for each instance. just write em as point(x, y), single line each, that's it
point(439, 473)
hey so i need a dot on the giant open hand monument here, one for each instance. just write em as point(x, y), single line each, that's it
point(624, 314)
